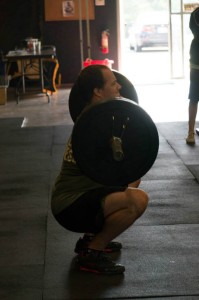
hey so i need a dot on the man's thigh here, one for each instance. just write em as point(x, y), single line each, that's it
point(86, 214)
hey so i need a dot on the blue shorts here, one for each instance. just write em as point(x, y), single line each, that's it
point(86, 213)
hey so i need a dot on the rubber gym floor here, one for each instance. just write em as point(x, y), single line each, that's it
point(37, 259)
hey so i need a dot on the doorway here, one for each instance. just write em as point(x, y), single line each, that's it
point(155, 39)
point(145, 57)
point(160, 74)
point(180, 36)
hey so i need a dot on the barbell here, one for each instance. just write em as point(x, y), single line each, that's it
point(115, 142)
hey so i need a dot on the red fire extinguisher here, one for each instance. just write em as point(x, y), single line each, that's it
point(104, 42)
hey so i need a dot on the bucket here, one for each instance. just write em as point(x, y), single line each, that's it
point(106, 62)
point(31, 44)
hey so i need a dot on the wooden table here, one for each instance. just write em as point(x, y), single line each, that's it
point(24, 55)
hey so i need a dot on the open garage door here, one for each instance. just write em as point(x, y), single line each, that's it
point(155, 39)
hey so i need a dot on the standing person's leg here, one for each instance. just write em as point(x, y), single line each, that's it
point(193, 108)
point(193, 105)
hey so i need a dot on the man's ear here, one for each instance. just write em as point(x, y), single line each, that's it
point(97, 92)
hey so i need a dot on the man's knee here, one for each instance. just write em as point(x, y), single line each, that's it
point(138, 200)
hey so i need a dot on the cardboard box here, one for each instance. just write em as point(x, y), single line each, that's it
point(3, 95)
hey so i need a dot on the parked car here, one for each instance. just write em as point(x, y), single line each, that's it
point(149, 30)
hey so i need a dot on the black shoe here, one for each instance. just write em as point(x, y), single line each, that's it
point(82, 244)
point(98, 262)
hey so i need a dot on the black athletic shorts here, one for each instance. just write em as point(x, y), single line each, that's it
point(86, 213)
point(194, 85)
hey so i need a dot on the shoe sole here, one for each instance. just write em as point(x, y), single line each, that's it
point(109, 251)
point(84, 269)
point(112, 250)
point(190, 143)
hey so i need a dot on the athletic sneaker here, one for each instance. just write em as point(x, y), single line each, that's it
point(98, 262)
point(190, 138)
point(82, 244)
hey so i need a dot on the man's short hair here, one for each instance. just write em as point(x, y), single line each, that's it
point(90, 78)
point(81, 93)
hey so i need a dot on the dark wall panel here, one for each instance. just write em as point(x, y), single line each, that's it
point(65, 35)
point(19, 19)
point(25, 18)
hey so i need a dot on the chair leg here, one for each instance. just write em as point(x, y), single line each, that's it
point(48, 95)
point(17, 95)
point(17, 90)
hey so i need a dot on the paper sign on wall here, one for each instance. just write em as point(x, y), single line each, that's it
point(99, 2)
point(68, 8)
